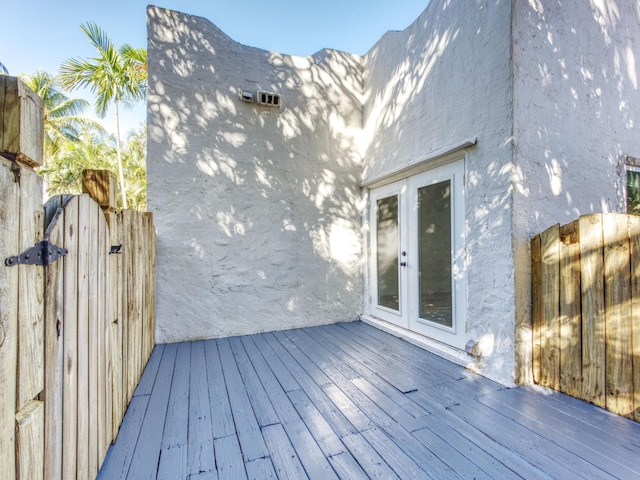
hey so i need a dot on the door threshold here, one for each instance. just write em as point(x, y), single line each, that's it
point(454, 355)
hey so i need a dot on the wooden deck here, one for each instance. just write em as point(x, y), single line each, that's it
point(349, 401)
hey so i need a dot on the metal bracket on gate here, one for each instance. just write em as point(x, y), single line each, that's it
point(42, 253)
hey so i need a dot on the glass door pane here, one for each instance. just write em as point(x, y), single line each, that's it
point(434, 253)
point(387, 247)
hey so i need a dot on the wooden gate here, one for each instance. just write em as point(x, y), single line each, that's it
point(99, 317)
point(586, 310)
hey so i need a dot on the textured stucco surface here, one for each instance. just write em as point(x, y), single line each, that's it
point(258, 210)
point(444, 79)
point(576, 108)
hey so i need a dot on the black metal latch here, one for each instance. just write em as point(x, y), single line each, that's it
point(42, 253)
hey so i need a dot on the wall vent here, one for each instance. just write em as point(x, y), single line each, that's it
point(269, 99)
point(246, 96)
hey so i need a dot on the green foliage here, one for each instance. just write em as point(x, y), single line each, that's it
point(96, 150)
point(633, 192)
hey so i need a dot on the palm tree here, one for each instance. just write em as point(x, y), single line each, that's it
point(115, 75)
point(63, 120)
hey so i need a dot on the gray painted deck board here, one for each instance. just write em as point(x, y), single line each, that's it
point(279, 369)
point(285, 461)
point(221, 416)
point(262, 406)
point(173, 463)
point(349, 401)
point(200, 453)
point(145, 385)
point(118, 459)
point(370, 461)
point(247, 428)
point(229, 462)
point(147, 453)
point(346, 467)
point(177, 419)
point(260, 469)
point(430, 463)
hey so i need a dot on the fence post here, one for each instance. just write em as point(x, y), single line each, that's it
point(101, 185)
point(22, 346)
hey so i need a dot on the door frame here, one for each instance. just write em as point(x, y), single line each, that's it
point(407, 317)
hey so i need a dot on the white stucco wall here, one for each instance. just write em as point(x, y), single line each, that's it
point(576, 109)
point(444, 79)
point(258, 210)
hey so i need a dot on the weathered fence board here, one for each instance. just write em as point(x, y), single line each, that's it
point(115, 318)
point(70, 343)
point(30, 441)
point(537, 306)
point(586, 295)
point(30, 293)
point(550, 348)
point(54, 352)
point(592, 281)
point(634, 236)
point(10, 201)
point(619, 360)
point(570, 335)
point(84, 239)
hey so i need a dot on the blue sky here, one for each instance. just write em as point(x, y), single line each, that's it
point(47, 32)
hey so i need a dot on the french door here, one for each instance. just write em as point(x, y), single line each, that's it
point(417, 254)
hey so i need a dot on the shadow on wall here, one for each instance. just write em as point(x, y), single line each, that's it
point(264, 202)
point(577, 104)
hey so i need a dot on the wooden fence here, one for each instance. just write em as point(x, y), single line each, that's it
point(76, 334)
point(586, 310)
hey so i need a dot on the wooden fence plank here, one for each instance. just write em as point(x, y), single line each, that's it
point(151, 295)
point(30, 441)
point(104, 341)
point(83, 411)
point(550, 333)
point(619, 361)
point(93, 329)
point(129, 307)
point(593, 315)
point(54, 352)
point(570, 323)
point(634, 237)
point(70, 342)
point(139, 291)
point(537, 306)
point(115, 262)
point(10, 201)
point(30, 292)
point(149, 279)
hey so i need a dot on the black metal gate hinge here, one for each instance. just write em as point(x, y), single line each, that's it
point(42, 253)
